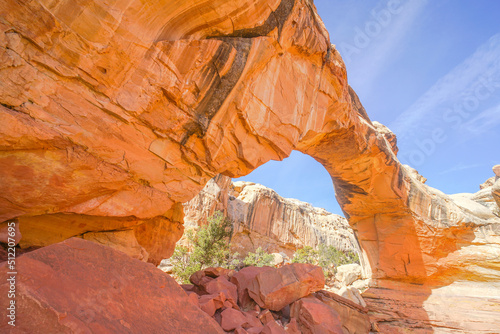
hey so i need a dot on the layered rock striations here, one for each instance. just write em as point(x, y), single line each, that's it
point(114, 113)
point(262, 218)
point(462, 293)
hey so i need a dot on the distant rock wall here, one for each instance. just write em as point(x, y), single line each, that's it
point(262, 218)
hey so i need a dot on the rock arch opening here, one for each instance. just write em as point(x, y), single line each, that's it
point(298, 176)
point(263, 217)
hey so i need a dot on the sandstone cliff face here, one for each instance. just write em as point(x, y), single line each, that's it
point(262, 218)
point(112, 114)
point(462, 293)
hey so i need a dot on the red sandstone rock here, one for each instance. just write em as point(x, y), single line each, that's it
point(274, 289)
point(222, 285)
point(113, 115)
point(285, 312)
point(243, 279)
point(218, 271)
point(124, 241)
point(78, 286)
point(266, 316)
point(254, 312)
point(211, 303)
point(201, 282)
point(292, 327)
point(193, 299)
point(255, 330)
point(313, 316)
point(188, 287)
point(272, 327)
point(354, 317)
point(155, 237)
point(230, 304)
point(136, 129)
point(232, 319)
point(211, 272)
point(253, 321)
point(240, 331)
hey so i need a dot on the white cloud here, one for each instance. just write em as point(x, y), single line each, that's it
point(483, 122)
point(452, 91)
point(373, 59)
point(460, 167)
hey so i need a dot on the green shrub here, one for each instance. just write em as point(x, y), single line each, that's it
point(258, 259)
point(211, 243)
point(327, 257)
point(305, 255)
point(210, 248)
point(351, 257)
point(183, 267)
point(330, 258)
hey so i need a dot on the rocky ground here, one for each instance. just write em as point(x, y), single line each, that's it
point(289, 299)
point(78, 286)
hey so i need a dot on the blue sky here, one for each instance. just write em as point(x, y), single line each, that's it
point(430, 71)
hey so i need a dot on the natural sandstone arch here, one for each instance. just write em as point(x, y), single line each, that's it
point(114, 113)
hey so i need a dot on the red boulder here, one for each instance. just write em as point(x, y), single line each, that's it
point(78, 286)
point(272, 327)
point(313, 316)
point(232, 319)
point(242, 279)
point(211, 303)
point(221, 284)
point(274, 289)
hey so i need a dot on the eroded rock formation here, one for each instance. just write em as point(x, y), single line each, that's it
point(78, 286)
point(114, 113)
point(262, 218)
point(463, 295)
point(110, 114)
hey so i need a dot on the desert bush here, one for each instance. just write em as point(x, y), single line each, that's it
point(330, 258)
point(211, 243)
point(209, 248)
point(258, 259)
point(183, 267)
point(327, 257)
point(305, 255)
